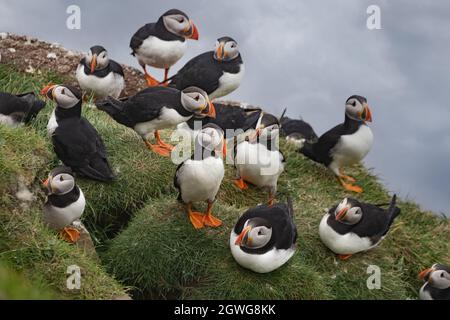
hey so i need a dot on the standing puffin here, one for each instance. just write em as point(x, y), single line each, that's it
point(18, 109)
point(353, 226)
point(163, 43)
point(218, 72)
point(345, 144)
point(258, 159)
point(99, 75)
point(157, 108)
point(65, 203)
point(199, 178)
point(297, 132)
point(264, 238)
point(75, 141)
point(437, 283)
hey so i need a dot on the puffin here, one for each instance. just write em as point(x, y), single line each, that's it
point(231, 117)
point(65, 203)
point(258, 159)
point(163, 43)
point(199, 178)
point(297, 132)
point(353, 226)
point(345, 144)
point(218, 72)
point(437, 283)
point(264, 238)
point(97, 74)
point(75, 141)
point(156, 108)
point(19, 109)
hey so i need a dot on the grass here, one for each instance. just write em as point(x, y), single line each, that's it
point(146, 242)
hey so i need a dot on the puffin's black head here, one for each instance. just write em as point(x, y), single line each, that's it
point(348, 211)
point(257, 233)
point(226, 49)
point(196, 100)
point(64, 95)
point(60, 181)
point(438, 276)
point(177, 22)
point(97, 58)
point(356, 108)
point(212, 139)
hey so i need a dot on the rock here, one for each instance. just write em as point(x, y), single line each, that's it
point(12, 50)
point(30, 69)
point(3, 35)
point(51, 55)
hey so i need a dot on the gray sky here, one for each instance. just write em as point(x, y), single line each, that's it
point(308, 56)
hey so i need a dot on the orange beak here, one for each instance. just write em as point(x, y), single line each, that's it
point(220, 52)
point(93, 63)
point(212, 111)
point(255, 135)
point(423, 274)
point(194, 34)
point(341, 214)
point(240, 238)
point(366, 115)
point(48, 88)
point(45, 183)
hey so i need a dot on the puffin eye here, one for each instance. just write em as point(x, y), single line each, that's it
point(259, 232)
point(197, 98)
point(442, 275)
point(63, 91)
point(354, 103)
point(61, 178)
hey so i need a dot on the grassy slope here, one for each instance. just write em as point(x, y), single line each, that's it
point(161, 255)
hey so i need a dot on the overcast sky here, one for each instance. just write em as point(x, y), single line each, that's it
point(308, 56)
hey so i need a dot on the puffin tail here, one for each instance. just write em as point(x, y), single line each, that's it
point(290, 205)
point(393, 211)
point(308, 151)
point(35, 104)
point(110, 105)
point(99, 171)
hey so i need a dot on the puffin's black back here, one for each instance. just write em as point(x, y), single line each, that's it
point(279, 217)
point(145, 106)
point(437, 294)
point(230, 117)
point(204, 71)
point(298, 127)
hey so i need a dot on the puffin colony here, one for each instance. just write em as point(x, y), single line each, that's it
point(264, 238)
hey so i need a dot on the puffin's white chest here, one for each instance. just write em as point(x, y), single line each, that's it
point(168, 118)
point(111, 85)
point(354, 147)
point(58, 218)
point(160, 53)
point(258, 165)
point(200, 180)
point(349, 243)
point(228, 82)
point(261, 263)
point(52, 124)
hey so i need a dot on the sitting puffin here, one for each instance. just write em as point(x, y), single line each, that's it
point(437, 283)
point(264, 238)
point(75, 141)
point(65, 203)
point(258, 159)
point(18, 109)
point(345, 144)
point(353, 226)
point(218, 72)
point(231, 117)
point(157, 108)
point(98, 75)
point(163, 43)
point(297, 132)
point(199, 178)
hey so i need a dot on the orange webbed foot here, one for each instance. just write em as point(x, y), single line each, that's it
point(344, 257)
point(70, 234)
point(350, 187)
point(196, 219)
point(241, 184)
point(151, 82)
point(211, 221)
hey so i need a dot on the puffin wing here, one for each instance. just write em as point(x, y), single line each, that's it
point(80, 147)
point(176, 181)
point(201, 72)
point(140, 35)
point(116, 68)
point(320, 151)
